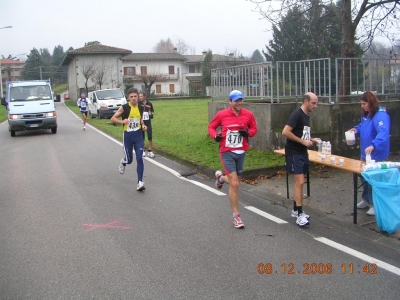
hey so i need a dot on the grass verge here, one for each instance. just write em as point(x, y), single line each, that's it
point(180, 128)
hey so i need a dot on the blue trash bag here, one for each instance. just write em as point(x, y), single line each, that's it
point(386, 196)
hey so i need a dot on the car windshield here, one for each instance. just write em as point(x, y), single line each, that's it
point(109, 94)
point(30, 93)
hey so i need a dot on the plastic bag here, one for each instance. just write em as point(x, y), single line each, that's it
point(386, 196)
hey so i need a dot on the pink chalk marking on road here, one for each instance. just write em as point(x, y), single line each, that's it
point(108, 225)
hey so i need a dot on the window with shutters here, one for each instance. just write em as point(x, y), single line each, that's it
point(158, 88)
point(172, 88)
point(192, 69)
point(171, 69)
point(129, 71)
point(143, 70)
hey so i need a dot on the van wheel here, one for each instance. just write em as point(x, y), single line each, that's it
point(98, 114)
point(54, 130)
point(12, 133)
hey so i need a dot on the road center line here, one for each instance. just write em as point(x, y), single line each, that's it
point(265, 215)
point(206, 187)
point(362, 256)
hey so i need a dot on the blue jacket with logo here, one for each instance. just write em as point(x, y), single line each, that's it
point(375, 132)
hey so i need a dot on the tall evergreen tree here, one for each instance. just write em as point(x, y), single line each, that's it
point(206, 72)
point(57, 58)
point(31, 69)
point(257, 57)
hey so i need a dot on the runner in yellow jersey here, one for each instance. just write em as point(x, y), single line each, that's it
point(133, 138)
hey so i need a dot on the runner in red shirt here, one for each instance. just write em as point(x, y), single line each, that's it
point(237, 125)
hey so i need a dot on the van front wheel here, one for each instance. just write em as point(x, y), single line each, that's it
point(12, 132)
point(98, 114)
point(54, 130)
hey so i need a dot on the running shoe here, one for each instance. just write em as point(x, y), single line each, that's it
point(84, 127)
point(363, 204)
point(144, 153)
point(302, 220)
point(295, 214)
point(237, 222)
point(218, 175)
point(140, 186)
point(121, 167)
point(150, 154)
point(371, 211)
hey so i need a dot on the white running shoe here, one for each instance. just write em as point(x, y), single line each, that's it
point(150, 154)
point(121, 167)
point(84, 127)
point(371, 211)
point(363, 204)
point(140, 186)
point(295, 214)
point(144, 153)
point(302, 220)
point(218, 175)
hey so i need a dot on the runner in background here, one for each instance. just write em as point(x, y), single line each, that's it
point(148, 114)
point(83, 104)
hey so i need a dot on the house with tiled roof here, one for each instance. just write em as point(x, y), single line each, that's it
point(175, 74)
point(11, 69)
point(164, 69)
point(90, 59)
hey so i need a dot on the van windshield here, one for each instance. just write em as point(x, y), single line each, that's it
point(30, 93)
point(109, 94)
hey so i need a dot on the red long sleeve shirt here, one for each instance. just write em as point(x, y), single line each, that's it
point(230, 124)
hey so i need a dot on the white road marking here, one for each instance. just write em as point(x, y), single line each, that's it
point(265, 215)
point(206, 187)
point(362, 256)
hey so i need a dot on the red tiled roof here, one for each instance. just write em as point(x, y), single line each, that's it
point(99, 48)
point(7, 61)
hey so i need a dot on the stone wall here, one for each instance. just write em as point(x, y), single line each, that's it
point(328, 122)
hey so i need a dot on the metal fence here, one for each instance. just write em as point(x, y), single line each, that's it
point(321, 76)
point(253, 80)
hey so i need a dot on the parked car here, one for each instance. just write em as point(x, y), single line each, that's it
point(66, 96)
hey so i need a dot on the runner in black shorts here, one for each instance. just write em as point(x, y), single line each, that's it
point(298, 138)
point(148, 115)
point(83, 104)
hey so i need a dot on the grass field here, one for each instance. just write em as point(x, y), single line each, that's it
point(180, 128)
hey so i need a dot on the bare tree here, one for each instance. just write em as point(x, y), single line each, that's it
point(164, 46)
point(101, 75)
point(168, 46)
point(88, 69)
point(149, 77)
point(361, 19)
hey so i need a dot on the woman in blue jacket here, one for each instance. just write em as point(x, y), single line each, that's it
point(374, 133)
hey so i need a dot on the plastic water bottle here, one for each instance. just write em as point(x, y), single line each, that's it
point(324, 147)
point(328, 148)
point(320, 148)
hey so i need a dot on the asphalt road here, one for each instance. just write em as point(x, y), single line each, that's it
point(72, 227)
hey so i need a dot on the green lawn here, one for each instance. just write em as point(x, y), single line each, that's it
point(180, 128)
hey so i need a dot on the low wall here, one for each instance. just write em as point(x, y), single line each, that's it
point(328, 122)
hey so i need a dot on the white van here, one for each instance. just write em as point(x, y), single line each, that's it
point(30, 106)
point(104, 103)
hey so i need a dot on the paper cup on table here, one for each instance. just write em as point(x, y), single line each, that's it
point(350, 137)
point(333, 160)
point(341, 161)
point(323, 157)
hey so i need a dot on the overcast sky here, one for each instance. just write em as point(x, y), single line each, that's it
point(138, 25)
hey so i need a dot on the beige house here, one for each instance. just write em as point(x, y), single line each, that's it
point(95, 66)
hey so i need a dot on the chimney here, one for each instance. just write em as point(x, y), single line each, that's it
point(204, 53)
point(175, 50)
point(230, 54)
